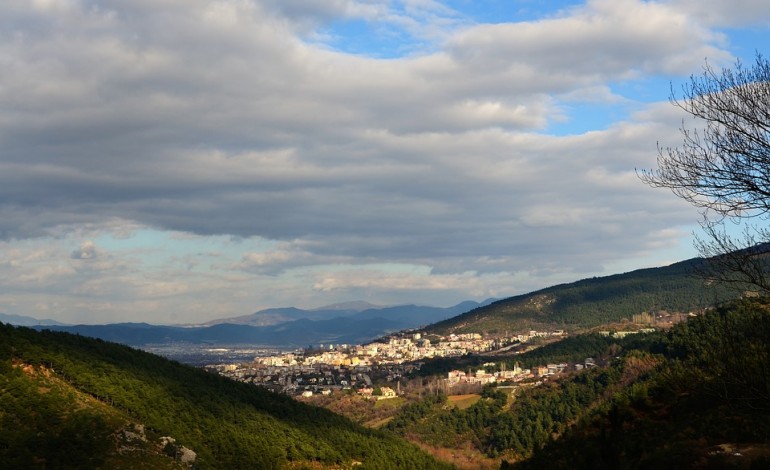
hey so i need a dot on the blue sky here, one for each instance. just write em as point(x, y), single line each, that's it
point(178, 161)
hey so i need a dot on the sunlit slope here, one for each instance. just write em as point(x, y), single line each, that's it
point(596, 301)
point(105, 389)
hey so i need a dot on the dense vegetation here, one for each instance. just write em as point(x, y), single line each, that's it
point(45, 423)
point(706, 406)
point(228, 424)
point(496, 428)
point(596, 301)
point(697, 396)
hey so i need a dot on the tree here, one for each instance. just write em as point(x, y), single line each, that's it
point(723, 168)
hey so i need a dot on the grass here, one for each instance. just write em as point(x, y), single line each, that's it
point(463, 401)
point(395, 402)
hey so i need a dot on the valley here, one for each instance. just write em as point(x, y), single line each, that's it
point(445, 396)
point(384, 235)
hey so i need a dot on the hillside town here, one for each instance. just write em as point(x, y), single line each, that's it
point(360, 368)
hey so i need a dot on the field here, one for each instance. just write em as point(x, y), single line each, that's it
point(463, 401)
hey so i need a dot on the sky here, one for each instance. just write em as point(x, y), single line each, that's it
point(178, 161)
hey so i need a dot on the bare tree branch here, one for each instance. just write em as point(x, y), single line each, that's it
point(723, 168)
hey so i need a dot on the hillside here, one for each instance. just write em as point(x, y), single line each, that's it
point(47, 423)
point(704, 404)
point(69, 402)
point(593, 302)
point(694, 397)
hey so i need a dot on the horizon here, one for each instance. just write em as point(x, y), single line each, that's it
point(360, 305)
point(182, 161)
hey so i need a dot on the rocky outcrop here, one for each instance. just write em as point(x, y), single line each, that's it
point(179, 452)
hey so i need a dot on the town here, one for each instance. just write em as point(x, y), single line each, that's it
point(372, 368)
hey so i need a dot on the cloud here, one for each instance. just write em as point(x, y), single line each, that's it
point(276, 261)
point(231, 118)
point(368, 278)
point(603, 39)
point(726, 14)
point(87, 250)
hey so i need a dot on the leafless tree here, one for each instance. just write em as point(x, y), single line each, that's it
point(723, 168)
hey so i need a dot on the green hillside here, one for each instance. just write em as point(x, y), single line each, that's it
point(72, 402)
point(705, 404)
point(597, 301)
point(47, 423)
point(694, 397)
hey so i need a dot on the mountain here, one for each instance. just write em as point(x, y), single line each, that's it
point(352, 306)
point(306, 327)
point(409, 316)
point(596, 301)
point(21, 320)
point(275, 316)
point(75, 402)
point(290, 334)
point(413, 316)
point(297, 333)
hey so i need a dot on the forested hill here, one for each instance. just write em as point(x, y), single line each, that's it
point(69, 401)
point(596, 301)
point(694, 397)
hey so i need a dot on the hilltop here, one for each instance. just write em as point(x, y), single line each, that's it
point(594, 302)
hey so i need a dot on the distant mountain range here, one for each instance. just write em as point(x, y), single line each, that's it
point(411, 316)
point(576, 306)
point(21, 320)
point(352, 323)
point(274, 316)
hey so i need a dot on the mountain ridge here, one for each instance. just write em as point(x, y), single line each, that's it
point(304, 327)
point(596, 301)
point(23, 320)
point(354, 309)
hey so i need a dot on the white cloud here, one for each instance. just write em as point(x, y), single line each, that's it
point(604, 39)
point(377, 279)
point(721, 13)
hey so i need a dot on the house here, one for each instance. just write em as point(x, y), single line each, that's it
point(455, 377)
